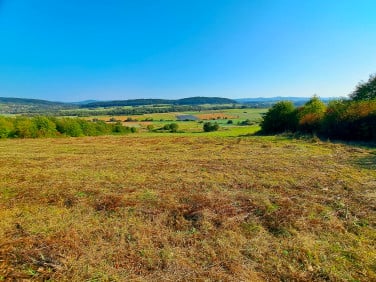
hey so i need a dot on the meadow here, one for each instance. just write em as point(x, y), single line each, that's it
point(222, 117)
point(186, 207)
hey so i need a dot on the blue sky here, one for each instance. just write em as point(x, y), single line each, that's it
point(74, 50)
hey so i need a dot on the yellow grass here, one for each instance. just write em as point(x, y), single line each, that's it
point(181, 208)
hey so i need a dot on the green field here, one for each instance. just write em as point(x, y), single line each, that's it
point(219, 116)
point(186, 207)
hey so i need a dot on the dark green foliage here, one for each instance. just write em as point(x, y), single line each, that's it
point(172, 127)
point(281, 117)
point(69, 127)
point(41, 126)
point(208, 126)
point(204, 100)
point(341, 119)
point(246, 122)
point(365, 90)
point(148, 102)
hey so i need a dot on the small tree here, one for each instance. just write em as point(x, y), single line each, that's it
point(150, 127)
point(45, 126)
point(174, 127)
point(25, 128)
point(311, 115)
point(279, 118)
point(6, 127)
point(208, 126)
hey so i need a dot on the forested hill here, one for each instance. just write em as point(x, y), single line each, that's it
point(21, 106)
point(36, 106)
point(143, 102)
point(24, 101)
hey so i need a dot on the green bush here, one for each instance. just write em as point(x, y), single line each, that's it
point(350, 120)
point(69, 127)
point(279, 118)
point(25, 128)
point(208, 126)
point(41, 126)
point(6, 127)
point(172, 127)
point(310, 116)
point(45, 127)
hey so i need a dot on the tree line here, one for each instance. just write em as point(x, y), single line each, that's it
point(42, 126)
point(345, 119)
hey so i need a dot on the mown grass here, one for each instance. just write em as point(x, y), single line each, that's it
point(186, 208)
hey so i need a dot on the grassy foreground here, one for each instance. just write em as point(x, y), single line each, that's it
point(183, 208)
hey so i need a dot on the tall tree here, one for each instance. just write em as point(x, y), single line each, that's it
point(365, 90)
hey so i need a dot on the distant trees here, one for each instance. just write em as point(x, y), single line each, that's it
point(353, 119)
point(172, 127)
point(42, 126)
point(208, 126)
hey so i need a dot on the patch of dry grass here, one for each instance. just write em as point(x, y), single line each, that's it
point(186, 209)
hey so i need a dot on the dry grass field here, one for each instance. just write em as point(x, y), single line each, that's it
point(184, 208)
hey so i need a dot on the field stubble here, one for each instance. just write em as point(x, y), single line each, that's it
point(186, 208)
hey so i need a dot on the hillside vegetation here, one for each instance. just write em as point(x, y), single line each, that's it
point(42, 126)
point(353, 119)
point(141, 208)
point(129, 107)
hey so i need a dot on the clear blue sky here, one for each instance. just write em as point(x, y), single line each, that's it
point(71, 50)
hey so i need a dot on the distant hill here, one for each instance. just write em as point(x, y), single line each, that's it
point(145, 102)
point(36, 106)
point(204, 100)
point(267, 102)
point(25, 101)
point(27, 106)
point(85, 102)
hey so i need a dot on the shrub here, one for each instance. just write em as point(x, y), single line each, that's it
point(25, 128)
point(311, 115)
point(208, 126)
point(45, 127)
point(350, 120)
point(172, 127)
point(279, 118)
point(69, 127)
point(246, 122)
point(6, 127)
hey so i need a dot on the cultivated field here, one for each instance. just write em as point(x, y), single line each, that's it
point(219, 116)
point(178, 207)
